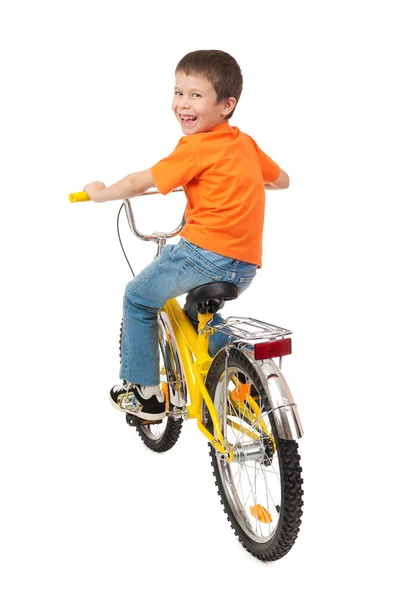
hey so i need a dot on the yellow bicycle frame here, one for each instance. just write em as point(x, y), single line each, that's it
point(191, 343)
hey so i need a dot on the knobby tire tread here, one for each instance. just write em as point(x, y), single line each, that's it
point(291, 510)
point(168, 439)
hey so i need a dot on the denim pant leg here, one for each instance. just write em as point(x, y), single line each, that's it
point(143, 297)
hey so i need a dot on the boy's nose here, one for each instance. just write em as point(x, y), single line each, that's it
point(185, 103)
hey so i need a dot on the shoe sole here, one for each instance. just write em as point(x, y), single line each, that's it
point(140, 414)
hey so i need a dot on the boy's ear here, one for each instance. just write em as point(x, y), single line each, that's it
point(228, 106)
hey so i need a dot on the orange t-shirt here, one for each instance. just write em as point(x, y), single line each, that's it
point(223, 172)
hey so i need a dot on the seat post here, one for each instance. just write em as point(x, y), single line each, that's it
point(203, 336)
point(203, 320)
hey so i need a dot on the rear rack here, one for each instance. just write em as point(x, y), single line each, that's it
point(251, 330)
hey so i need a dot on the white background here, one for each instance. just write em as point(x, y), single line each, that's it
point(86, 510)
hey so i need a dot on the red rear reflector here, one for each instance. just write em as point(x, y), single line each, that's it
point(272, 349)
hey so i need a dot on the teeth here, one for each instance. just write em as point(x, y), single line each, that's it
point(187, 118)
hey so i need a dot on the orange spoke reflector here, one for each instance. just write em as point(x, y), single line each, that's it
point(240, 393)
point(261, 513)
point(164, 387)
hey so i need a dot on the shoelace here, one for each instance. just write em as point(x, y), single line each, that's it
point(126, 388)
point(121, 388)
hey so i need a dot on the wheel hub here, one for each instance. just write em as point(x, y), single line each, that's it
point(254, 451)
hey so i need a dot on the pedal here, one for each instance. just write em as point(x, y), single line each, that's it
point(131, 420)
point(179, 413)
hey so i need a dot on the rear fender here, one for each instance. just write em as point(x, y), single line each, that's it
point(283, 407)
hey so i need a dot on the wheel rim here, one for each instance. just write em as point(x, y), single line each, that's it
point(155, 431)
point(252, 482)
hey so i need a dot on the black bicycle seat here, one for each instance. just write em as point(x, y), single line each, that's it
point(218, 290)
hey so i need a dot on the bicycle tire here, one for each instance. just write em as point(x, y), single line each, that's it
point(161, 436)
point(282, 453)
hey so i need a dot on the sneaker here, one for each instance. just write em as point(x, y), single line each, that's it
point(130, 398)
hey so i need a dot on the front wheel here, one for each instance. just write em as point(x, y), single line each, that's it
point(162, 435)
point(261, 490)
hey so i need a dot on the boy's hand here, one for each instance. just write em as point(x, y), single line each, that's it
point(92, 188)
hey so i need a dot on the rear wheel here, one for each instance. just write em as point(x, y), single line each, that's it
point(261, 490)
point(162, 435)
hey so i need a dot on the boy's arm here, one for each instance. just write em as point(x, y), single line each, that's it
point(128, 187)
point(281, 182)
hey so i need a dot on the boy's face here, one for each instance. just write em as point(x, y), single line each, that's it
point(195, 104)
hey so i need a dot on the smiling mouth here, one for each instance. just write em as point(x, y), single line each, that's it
point(187, 119)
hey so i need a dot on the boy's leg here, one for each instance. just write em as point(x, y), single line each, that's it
point(143, 297)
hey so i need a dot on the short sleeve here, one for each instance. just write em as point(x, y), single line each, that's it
point(269, 168)
point(177, 169)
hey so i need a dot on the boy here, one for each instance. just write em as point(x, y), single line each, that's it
point(223, 173)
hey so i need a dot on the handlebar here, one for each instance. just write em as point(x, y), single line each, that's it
point(78, 197)
point(157, 236)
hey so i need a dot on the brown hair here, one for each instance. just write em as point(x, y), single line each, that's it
point(218, 67)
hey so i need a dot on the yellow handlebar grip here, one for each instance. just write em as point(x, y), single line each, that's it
point(78, 197)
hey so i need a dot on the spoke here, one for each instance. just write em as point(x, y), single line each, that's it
point(255, 487)
point(233, 475)
point(242, 491)
point(263, 472)
point(267, 489)
point(251, 488)
point(253, 492)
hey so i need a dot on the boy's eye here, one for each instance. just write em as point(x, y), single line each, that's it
point(196, 94)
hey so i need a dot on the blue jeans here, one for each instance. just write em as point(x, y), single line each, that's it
point(178, 269)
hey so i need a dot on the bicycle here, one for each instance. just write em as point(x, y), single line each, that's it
point(241, 403)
